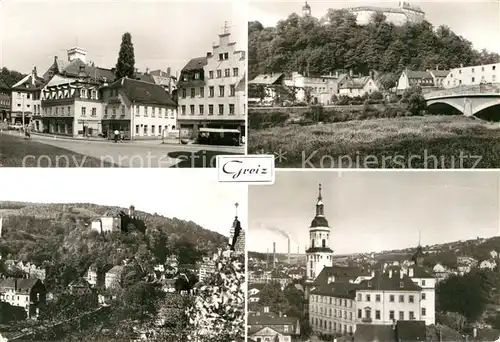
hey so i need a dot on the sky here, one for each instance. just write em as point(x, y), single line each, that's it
point(374, 211)
point(188, 194)
point(164, 32)
point(477, 21)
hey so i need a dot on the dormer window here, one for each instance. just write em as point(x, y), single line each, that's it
point(401, 284)
point(369, 284)
point(196, 75)
point(83, 93)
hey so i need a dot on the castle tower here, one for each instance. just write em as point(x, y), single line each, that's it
point(306, 10)
point(319, 254)
point(77, 53)
point(418, 257)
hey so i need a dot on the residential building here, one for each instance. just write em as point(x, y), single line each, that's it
point(407, 331)
point(269, 327)
point(440, 272)
point(26, 99)
point(28, 293)
point(315, 89)
point(211, 90)
point(71, 106)
point(113, 277)
point(138, 109)
point(438, 77)
point(106, 224)
point(5, 102)
point(489, 264)
point(281, 278)
point(259, 277)
point(354, 87)
point(262, 88)
point(411, 78)
point(404, 13)
point(164, 79)
point(473, 75)
point(80, 286)
point(206, 268)
point(92, 276)
point(319, 253)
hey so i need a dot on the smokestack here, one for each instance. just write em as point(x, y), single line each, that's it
point(274, 255)
point(289, 262)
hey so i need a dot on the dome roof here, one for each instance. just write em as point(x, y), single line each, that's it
point(319, 221)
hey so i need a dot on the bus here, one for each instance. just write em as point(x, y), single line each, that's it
point(219, 136)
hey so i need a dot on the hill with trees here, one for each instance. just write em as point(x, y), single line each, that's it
point(311, 46)
point(10, 77)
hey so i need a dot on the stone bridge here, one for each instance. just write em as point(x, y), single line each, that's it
point(469, 100)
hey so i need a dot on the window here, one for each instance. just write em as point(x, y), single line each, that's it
point(232, 90)
point(145, 129)
point(401, 315)
point(377, 314)
point(191, 109)
point(493, 67)
point(211, 91)
point(412, 315)
point(152, 129)
point(196, 75)
point(391, 314)
point(211, 74)
point(210, 109)
point(359, 297)
point(368, 297)
point(391, 298)
point(83, 93)
point(94, 111)
point(226, 55)
point(146, 110)
point(221, 91)
point(472, 79)
point(359, 313)
point(423, 282)
point(369, 282)
point(472, 70)
point(183, 110)
point(350, 316)
point(183, 93)
point(202, 92)
point(83, 111)
point(493, 78)
point(69, 110)
point(57, 111)
point(123, 110)
point(377, 298)
point(423, 296)
point(235, 71)
point(136, 129)
point(227, 72)
point(401, 298)
point(137, 113)
point(368, 313)
point(200, 108)
point(219, 73)
point(411, 299)
point(401, 285)
point(482, 68)
point(221, 56)
point(192, 92)
point(28, 96)
point(159, 129)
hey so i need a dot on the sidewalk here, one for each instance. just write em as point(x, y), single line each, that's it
point(55, 137)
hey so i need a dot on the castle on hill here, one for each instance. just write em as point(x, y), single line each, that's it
point(404, 13)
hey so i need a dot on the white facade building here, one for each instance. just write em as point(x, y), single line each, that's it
point(472, 75)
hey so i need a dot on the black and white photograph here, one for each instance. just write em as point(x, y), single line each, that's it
point(375, 84)
point(159, 261)
point(151, 84)
point(374, 256)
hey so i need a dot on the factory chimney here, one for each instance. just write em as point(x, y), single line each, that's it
point(289, 261)
point(274, 255)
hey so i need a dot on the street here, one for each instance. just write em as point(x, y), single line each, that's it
point(146, 153)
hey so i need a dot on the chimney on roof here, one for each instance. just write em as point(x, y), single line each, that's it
point(33, 76)
point(209, 54)
point(55, 58)
point(474, 332)
point(410, 272)
point(390, 273)
point(147, 71)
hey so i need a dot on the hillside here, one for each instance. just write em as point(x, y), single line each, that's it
point(58, 236)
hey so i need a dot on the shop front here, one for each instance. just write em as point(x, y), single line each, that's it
point(110, 126)
point(58, 126)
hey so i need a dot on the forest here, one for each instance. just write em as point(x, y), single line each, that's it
point(317, 47)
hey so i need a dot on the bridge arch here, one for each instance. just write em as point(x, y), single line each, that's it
point(483, 106)
point(447, 102)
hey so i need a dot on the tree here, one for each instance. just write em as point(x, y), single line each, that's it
point(272, 297)
point(218, 311)
point(125, 66)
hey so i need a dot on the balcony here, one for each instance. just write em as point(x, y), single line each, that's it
point(366, 320)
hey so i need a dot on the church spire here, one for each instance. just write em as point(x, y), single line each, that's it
point(236, 209)
point(319, 204)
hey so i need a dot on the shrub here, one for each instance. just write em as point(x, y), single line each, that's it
point(376, 95)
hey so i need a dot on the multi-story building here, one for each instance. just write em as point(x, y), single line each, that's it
point(270, 327)
point(360, 86)
point(211, 90)
point(429, 79)
point(162, 78)
point(472, 75)
point(404, 13)
point(5, 102)
point(27, 293)
point(138, 109)
point(71, 107)
point(26, 99)
point(107, 224)
point(319, 253)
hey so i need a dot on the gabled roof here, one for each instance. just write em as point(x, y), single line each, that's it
point(440, 73)
point(410, 331)
point(75, 66)
point(420, 272)
point(27, 80)
point(341, 274)
point(116, 270)
point(386, 282)
point(374, 332)
point(195, 64)
point(267, 79)
point(3, 85)
point(355, 83)
point(143, 92)
point(337, 289)
point(418, 74)
point(270, 319)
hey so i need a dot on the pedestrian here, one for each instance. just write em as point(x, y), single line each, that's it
point(117, 135)
point(27, 134)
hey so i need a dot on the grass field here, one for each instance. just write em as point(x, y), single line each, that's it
point(15, 151)
point(404, 142)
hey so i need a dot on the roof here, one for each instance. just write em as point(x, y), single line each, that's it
point(420, 272)
point(319, 250)
point(267, 79)
point(410, 331)
point(355, 83)
point(144, 77)
point(21, 285)
point(337, 289)
point(3, 85)
point(374, 332)
point(319, 221)
point(341, 274)
point(195, 64)
point(376, 9)
point(27, 80)
point(270, 319)
point(143, 92)
point(440, 73)
point(116, 269)
point(387, 282)
point(73, 69)
point(418, 74)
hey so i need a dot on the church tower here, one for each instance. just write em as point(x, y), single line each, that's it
point(306, 10)
point(319, 254)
